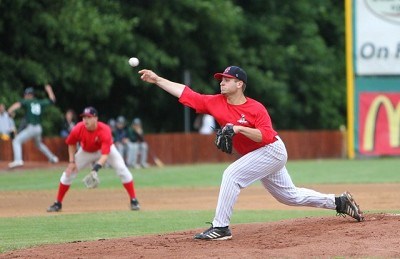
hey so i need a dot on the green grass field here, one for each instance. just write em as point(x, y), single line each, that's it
point(22, 232)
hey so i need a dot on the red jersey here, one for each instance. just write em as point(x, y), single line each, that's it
point(91, 141)
point(251, 114)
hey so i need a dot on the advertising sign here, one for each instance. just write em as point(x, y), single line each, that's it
point(377, 33)
point(379, 123)
point(373, 77)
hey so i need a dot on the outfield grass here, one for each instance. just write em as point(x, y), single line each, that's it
point(24, 232)
point(302, 172)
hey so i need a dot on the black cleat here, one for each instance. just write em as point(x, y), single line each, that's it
point(55, 207)
point(348, 206)
point(135, 204)
point(215, 233)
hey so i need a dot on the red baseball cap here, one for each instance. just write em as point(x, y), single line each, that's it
point(89, 112)
point(232, 72)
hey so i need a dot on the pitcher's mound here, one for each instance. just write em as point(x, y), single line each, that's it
point(298, 238)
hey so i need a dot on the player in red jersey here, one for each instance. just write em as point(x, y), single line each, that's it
point(263, 153)
point(96, 147)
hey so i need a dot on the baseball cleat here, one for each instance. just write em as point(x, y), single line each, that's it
point(55, 207)
point(348, 206)
point(15, 163)
point(215, 233)
point(135, 204)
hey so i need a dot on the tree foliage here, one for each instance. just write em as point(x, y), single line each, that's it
point(293, 52)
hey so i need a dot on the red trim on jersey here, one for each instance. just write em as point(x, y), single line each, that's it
point(91, 141)
point(250, 114)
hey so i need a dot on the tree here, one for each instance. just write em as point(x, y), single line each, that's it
point(293, 52)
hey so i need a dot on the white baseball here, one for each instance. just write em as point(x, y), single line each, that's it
point(133, 62)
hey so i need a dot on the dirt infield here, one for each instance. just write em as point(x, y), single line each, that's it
point(321, 237)
point(298, 238)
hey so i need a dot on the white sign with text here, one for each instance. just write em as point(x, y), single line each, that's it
point(377, 37)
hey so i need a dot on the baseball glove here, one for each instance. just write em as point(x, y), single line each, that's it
point(223, 138)
point(91, 180)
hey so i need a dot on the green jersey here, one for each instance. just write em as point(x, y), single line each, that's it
point(34, 109)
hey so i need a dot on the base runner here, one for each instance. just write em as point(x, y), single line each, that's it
point(96, 148)
point(263, 153)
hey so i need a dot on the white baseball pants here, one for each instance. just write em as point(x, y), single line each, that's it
point(86, 159)
point(266, 164)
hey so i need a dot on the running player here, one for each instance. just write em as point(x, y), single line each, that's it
point(34, 111)
point(263, 153)
point(96, 148)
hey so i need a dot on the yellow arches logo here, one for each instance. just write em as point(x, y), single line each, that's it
point(393, 115)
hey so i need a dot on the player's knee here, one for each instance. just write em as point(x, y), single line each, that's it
point(230, 177)
point(124, 175)
point(126, 178)
point(67, 179)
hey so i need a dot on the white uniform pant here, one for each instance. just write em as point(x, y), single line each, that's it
point(86, 159)
point(31, 131)
point(123, 149)
point(266, 164)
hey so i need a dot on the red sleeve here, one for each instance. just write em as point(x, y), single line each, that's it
point(195, 100)
point(73, 137)
point(264, 124)
point(106, 138)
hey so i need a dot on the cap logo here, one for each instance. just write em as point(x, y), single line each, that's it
point(232, 71)
point(89, 111)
